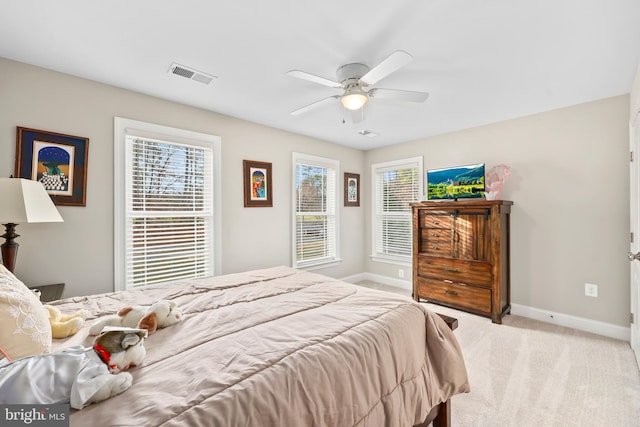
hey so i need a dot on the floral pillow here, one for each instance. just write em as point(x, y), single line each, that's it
point(25, 328)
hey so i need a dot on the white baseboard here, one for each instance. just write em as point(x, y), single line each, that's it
point(354, 278)
point(385, 280)
point(569, 321)
point(566, 320)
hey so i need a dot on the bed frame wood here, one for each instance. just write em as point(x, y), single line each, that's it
point(443, 419)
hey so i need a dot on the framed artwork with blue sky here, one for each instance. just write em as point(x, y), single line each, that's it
point(257, 184)
point(56, 160)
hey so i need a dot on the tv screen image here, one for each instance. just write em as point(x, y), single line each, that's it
point(459, 182)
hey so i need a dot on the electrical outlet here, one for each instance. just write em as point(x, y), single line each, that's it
point(591, 290)
point(401, 273)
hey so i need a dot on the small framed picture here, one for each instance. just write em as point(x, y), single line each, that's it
point(56, 160)
point(258, 186)
point(351, 189)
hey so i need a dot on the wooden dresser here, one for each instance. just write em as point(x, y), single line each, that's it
point(461, 255)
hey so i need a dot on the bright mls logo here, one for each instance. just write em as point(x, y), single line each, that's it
point(35, 415)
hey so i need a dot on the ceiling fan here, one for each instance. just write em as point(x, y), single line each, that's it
point(355, 81)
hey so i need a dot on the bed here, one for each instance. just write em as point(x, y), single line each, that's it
point(281, 347)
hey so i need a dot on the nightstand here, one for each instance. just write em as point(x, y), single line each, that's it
point(49, 292)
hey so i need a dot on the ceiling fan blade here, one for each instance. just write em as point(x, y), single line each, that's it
point(393, 62)
point(399, 95)
point(313, 105)
point(313, 78)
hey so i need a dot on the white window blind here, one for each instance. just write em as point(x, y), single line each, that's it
point(315, 210)
point(396, 185)
point(169, 211)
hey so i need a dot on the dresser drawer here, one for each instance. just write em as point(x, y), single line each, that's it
point(439, 234)
point(463, 296)
point(436, 220)
point(436, 242)
point(461, 271)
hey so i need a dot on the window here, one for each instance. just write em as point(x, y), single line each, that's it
point(166, 225)
point(315, 214)
point(395, 185)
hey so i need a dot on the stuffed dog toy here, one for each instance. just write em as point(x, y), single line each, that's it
point(160, 314)
point(76, 375)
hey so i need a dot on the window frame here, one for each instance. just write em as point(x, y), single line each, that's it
point(411, 162)
point(307, 159)
point(124, 127)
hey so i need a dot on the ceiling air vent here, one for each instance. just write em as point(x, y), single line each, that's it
point(370, 134)
point(190, 73)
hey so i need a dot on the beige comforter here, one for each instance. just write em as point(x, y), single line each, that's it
point(280, 347)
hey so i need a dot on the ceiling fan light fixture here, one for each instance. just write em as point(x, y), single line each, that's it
point(354, 99)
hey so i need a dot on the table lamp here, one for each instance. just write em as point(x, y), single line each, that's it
point(22, 200)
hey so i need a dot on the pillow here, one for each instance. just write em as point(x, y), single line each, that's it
point(24, 321)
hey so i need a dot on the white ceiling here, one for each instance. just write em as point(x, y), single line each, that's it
point(482, 61)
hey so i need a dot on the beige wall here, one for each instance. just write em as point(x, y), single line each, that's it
point(569, 184)
point(79, 251)
point(570, 188)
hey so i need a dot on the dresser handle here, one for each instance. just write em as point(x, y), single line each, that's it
point(435, 248)
point(435, 234)
point(447, 291)
point(451, 269)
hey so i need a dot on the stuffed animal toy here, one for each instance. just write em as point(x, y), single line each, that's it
point(76, 375)
point(63, 326)
point(160, 314)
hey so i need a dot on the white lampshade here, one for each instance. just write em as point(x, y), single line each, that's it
point(354, 99)
point(24, 201)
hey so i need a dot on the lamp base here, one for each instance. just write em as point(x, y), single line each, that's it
point(10, 247)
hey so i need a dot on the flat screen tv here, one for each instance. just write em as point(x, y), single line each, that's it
point(459, 182)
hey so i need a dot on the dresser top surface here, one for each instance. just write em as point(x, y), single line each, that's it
point(461, 203)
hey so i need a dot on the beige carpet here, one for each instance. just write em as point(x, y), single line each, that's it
point(530, 373)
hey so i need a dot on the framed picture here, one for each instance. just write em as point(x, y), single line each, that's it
point(351, 189)
point(56, 160)
point(257, 184)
